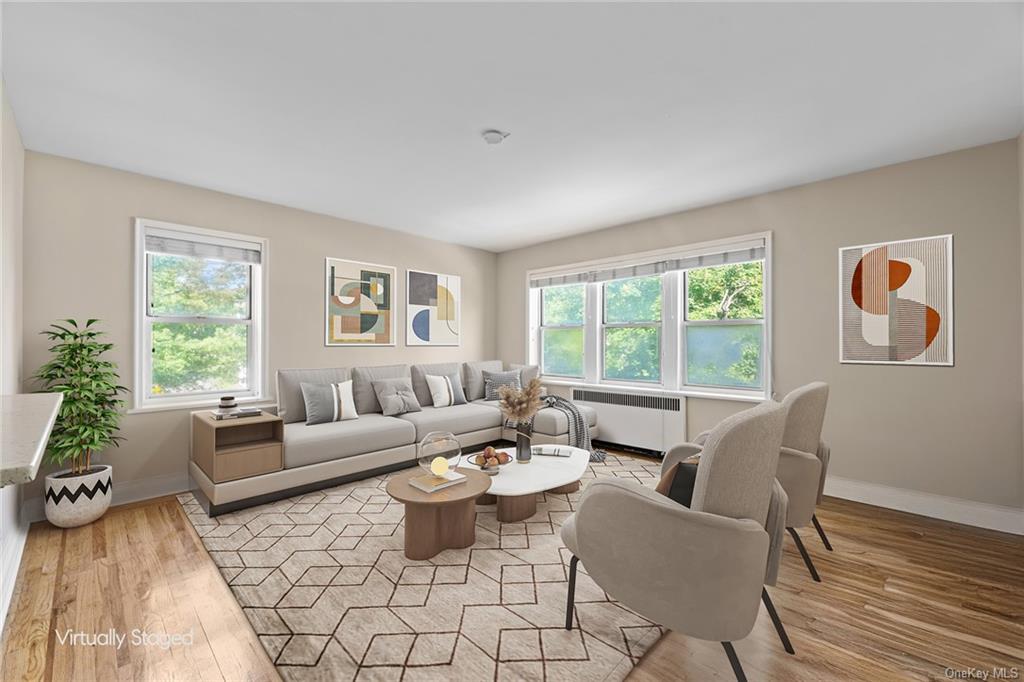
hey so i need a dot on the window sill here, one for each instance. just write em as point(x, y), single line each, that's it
point(199, 404)
point(752, 397)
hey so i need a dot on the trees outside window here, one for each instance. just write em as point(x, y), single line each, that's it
point(724, 325)
point(632, 329)
point(199, 322)
point(700, 323)
point(561, 332)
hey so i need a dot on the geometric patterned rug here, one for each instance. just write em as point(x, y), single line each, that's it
point(324, 581)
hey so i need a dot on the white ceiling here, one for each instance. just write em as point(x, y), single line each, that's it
point(616, 111)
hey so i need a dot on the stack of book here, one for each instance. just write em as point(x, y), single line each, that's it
point(429, 483)
point(236, 413)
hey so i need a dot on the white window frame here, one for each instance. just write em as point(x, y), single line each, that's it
point(256, 322)
point(673, 337)
point(605, 325)
point(686, 322)
point(540, 333)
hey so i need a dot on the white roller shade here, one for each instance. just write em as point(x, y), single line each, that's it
point(740, 253)
point(217, 249)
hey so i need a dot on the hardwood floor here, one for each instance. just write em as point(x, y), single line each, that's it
point(140, 567)
point(902, 597)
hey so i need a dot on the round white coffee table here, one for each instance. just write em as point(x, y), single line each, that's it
point(514, 489)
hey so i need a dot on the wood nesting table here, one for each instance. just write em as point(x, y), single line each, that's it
point(442, 520)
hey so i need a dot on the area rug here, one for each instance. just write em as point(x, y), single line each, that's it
point(324, 581)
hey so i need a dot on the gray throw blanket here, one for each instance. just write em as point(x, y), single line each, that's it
point(579, 429)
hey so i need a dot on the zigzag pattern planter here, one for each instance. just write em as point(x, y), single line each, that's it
point(78, 500)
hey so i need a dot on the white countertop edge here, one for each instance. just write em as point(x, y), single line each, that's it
point(22, 465)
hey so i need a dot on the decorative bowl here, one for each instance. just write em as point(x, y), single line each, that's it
point(438, 444)
point(472, 461)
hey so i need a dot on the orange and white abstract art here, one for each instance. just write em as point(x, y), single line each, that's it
point(896, 302)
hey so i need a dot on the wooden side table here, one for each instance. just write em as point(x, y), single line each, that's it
point(229, 449)
point(442, 520)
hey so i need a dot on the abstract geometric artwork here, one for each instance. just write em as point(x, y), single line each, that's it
point(432, 316)
point(896, 302)
point(359, 304)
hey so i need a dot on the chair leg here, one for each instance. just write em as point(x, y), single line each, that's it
point(734, 661)
point(571, 595)
point(821, 532)
point(779, 628)
point(804, 554)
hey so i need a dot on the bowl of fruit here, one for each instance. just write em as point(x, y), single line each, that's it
point(490, 460)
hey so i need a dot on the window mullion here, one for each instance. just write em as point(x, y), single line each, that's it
point(592, 341)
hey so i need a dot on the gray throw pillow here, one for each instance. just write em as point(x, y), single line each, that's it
point(495, 380)
point(327, 403)
point(396, 396)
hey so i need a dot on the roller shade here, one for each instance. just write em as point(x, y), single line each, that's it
point(217, 249)
point(742, 253)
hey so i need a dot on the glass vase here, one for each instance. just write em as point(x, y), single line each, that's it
point(524, 434)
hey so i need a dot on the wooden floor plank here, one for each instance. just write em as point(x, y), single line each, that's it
point(901, 598)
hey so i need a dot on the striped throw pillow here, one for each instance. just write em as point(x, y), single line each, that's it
point(495, 380)
point(446, 390)
point(327, 403)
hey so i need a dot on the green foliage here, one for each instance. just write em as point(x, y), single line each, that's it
point(563, 305)
point(632, 353)
point(633, 300)
point(88, 418)
point(562, 352)
point(186, 286)
point(726, 292)
point(189, 357)
point(724, 355)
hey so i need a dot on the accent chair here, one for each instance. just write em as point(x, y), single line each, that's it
point(699, 570)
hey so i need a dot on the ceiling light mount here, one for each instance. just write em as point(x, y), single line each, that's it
point(493, 136)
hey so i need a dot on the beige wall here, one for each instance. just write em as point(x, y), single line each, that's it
point(948, 431)
point(12, 181)
point(13, 527)
point(78, 263)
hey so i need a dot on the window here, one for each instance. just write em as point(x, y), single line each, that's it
point(632, 329)
point(561, 330)
point(199, 317)
point(694, 319)
point(724, 326)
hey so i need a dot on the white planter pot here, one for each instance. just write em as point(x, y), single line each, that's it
point(77, 500)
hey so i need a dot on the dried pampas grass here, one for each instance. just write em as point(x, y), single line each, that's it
point(520, 405)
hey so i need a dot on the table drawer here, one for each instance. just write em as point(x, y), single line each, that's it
point(242, 462)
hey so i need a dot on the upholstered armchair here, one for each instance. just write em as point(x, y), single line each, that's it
point(697, 570)
point(803, 462)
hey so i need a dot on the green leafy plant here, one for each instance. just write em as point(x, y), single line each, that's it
point(88, 418)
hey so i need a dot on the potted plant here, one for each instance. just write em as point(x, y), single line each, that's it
point(519, 406)
point(86, 424)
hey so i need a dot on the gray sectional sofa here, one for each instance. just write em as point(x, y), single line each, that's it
point(320, 455)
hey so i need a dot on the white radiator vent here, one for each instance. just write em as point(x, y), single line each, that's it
point(651, 422)
point(647, 402)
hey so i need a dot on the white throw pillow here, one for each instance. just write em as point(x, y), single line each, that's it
point(445, 391)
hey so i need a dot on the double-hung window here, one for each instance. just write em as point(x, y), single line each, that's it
point(561, 330)
point(694, 319)
point(631, 329)
point(199, 315)
point(724, 331)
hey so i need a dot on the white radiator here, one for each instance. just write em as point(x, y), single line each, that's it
point(651, 422)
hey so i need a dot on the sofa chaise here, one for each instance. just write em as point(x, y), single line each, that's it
point(322, 455)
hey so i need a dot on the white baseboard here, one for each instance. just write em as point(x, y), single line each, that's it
point(980, 514)
point(128, 491)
